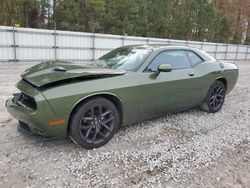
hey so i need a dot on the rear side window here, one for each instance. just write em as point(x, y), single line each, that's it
point(194, 58)
point(176, 58)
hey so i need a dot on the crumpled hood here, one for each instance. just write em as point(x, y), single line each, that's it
point(54, 71)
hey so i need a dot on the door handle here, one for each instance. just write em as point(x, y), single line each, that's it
point(191, 74)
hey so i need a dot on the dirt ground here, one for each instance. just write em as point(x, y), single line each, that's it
point(188, 149)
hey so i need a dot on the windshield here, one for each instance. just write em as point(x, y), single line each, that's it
point(124, 58)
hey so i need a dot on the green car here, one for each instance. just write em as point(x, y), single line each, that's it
point(89, 102)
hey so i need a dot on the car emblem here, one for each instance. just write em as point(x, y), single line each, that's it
point(221, 65)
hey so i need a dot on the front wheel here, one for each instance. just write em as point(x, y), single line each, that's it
point(215, 97)
point(94, 123)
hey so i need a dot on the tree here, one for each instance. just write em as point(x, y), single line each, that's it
point(209, 20)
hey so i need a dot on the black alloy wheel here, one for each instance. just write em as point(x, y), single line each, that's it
point(94, 123)
point(215, 97)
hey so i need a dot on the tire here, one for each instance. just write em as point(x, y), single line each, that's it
point(94, 123)
point(215, 97)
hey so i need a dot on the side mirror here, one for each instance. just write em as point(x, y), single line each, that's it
point(164, 68)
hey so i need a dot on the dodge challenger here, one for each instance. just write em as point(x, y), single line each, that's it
point(89, 102)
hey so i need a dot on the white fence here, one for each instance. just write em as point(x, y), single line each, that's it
point(35, 45)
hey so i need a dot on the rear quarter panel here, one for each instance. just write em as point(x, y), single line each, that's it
point(206, 73)
point(210, 71)
point(230, 73)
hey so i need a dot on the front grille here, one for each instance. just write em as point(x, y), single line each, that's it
point(24, 100)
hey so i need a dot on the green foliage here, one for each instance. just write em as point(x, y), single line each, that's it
point(179, 19)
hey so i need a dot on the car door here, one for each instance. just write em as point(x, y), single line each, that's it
point(162, 92)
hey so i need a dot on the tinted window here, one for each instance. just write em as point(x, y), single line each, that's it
point(176, 58)
point(194, 59)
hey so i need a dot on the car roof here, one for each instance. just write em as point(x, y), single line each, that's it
point(159, 46)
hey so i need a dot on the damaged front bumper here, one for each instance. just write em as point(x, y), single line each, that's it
point(31, 108)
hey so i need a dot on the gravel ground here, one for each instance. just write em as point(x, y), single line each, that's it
point(188, 149)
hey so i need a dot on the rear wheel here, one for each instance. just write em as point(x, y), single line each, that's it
point(94, 123)
point(215, 97)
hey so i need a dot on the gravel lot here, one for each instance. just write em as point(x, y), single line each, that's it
point(189, 149)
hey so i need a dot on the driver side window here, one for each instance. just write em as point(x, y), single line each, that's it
point(176, 58)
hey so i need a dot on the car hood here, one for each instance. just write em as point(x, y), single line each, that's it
point(56, 71)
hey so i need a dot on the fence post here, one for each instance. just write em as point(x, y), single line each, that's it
point(216, 48)
point(147, 40)
point(55, 45)
point(237, 51)
point(14, 44)
point(227, 51)
point(93, 46)
point(123, 40)
point(247, 53)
